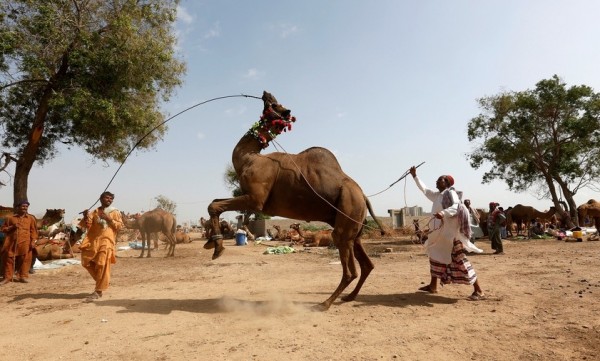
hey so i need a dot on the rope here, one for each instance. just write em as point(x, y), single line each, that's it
point(399, 179)
point(161, 124)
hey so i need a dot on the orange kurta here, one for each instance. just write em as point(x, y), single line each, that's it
point(18, 244)
point(98, 245)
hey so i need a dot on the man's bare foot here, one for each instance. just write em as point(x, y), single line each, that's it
point(428, 288)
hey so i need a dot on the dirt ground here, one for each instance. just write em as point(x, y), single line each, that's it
point(543, 302)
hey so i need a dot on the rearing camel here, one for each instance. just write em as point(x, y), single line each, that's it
point(309, 185)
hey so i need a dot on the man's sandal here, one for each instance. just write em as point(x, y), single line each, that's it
point(476, 297)
point(93, 297)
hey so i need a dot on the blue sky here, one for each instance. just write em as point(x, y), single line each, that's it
point(382, 84)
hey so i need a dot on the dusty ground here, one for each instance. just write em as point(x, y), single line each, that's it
point(543, 304)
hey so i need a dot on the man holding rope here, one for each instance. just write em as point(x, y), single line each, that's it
point(98, 246)
point(21, 234)
point(449, 238)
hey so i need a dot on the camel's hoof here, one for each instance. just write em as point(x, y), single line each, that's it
point(218, 253)
point(349, 298)
point(321, 307)
point(209, 244)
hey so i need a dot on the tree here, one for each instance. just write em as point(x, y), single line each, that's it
point(83, 73)
point(166, 204)
point(546, 138)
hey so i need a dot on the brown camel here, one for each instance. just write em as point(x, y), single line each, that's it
point(154, 221)
point(589, 209)
point(51, 217)
point(310, 186)
point(249, 234)
point(522, 216)
point(49, 249)
point(320, 238)
point(224, 227)
point(285, 235)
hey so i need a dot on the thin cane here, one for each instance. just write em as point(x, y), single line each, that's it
point(15, 252)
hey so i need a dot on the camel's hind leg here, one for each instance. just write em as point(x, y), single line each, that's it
point(172, 243)
point(366, 266)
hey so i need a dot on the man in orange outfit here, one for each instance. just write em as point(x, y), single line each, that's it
point(98, 246)
point(21, 234)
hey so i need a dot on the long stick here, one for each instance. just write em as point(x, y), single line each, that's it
point(405, 174)
point(15, 252)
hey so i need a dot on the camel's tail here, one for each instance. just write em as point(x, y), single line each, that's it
point(373, 215)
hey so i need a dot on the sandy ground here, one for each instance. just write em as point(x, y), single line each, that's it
point(543, 302)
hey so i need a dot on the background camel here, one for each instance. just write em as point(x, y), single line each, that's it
point(309, 185)
point(589, 209)
point(156, 220)
point(286, 235)
point(224, 228)
point(52, 216)
point(321, 238)
point(249, 234)
point(522, 216)
point(49, 249)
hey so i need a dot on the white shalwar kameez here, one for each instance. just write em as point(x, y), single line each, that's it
point(440, 241)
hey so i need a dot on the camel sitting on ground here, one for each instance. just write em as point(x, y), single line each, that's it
point(224, 227)
point(249, 234)
point(320, 238)
point(589, 209)
point(522, 216)
point(309, 185)
point(154, 221)
point(49, 249)
point(286, 236)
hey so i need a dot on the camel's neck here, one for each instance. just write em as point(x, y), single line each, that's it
point(247, 148)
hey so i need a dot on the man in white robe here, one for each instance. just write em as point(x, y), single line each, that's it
point(449, 238)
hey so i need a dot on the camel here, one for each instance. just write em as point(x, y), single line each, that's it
point(180, 237)
point(224, 227)
point(309, 185)
point(249, 234)
point(154, 221)
point(589, 209)
point(320, 238)
point(49, 249)
point(522, 216)
point(51, 217)
point(285, 235)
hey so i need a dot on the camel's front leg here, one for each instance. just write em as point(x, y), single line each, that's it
point(218, 206)
point(348, 274)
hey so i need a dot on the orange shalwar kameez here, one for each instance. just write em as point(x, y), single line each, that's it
point(18, 245)
point(98, 246)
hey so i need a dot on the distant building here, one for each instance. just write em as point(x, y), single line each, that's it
point(404, 216)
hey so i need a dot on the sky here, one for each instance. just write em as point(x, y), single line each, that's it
point(383, 84)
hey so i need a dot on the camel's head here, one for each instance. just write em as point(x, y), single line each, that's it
point(275, 119)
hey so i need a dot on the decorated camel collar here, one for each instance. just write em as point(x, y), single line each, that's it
point(272, 124)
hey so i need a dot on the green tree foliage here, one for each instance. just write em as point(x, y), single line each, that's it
point(85, 73)
point(546, 138)
point(166, 204)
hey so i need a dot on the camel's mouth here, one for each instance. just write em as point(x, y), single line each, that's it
point(271, 123)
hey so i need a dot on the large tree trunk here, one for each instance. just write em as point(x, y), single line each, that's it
point(28, 157)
